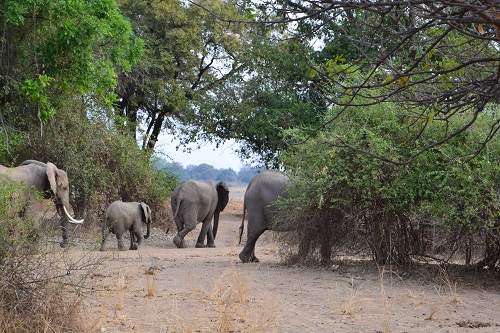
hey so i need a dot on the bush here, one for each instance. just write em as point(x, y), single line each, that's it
point(392, 212)
point(33, 296)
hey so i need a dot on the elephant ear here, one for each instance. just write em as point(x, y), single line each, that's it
point(223, 195)
point(51, 172)
point(146, 211)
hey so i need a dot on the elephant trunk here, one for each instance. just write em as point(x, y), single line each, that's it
point(148, 231)
point(216, 222)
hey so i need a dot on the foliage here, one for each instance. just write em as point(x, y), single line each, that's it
point(188, 51)
point(52, 50)
point(204, 172)
point(103, 164)
point(438, 60)
point(269, 97)
point(32, 292)
point(345, 191)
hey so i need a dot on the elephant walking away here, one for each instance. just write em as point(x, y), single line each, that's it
point(120, 217)
point(196, 201)
point(47, 179)
point(264, 189)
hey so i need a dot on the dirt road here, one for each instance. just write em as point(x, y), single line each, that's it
point(161, 288)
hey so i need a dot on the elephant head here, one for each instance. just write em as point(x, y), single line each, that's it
point(147, 218)
point(51, 181)
point(223, 199)
point(47, 179)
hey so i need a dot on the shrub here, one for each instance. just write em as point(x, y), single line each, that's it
point(33, 296)
point(353, 202)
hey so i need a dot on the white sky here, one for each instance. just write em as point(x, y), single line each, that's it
point(223, 157)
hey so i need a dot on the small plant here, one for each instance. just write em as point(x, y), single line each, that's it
point(452, 286)
point(151, 277)
point(241, 285)
point(383, 296)
point(121, 294)
point(432, 312)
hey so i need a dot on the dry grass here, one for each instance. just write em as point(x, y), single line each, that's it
point(236, 313)
point(452, 286)
point(120, 286)
point(151, 277)
point(40, 291)
point(241, 285)
point(383, 297)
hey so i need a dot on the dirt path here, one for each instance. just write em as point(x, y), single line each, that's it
point(209, 290)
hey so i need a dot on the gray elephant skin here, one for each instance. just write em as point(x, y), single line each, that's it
point(47, 179)
point(120, 217)
point(195, 201)
point(263, 190)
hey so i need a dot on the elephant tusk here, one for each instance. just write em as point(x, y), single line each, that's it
point(72, 220)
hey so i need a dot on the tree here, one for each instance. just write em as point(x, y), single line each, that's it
point(188, 52)
point(52, 54)
point(202, 172)
point(438, 60)
point(260, 104)
point(227, 175)
point(174, 167)
point(245, 175)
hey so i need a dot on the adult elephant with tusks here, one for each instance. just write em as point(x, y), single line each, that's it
point(47, 179)
point(195, 201)
point(262, 191)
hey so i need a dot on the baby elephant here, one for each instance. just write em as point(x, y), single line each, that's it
point(122, 216)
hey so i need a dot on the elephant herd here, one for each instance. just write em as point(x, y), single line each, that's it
point(193, 201)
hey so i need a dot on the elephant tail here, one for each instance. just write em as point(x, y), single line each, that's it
point(176, 202)
point(242, 226)
point(104, 228)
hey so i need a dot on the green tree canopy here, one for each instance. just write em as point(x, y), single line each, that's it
point(188, 52)
point(438, 60)
point(53, 51)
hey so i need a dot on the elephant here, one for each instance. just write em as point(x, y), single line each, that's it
point(122, 216)
point(196, 201)
point(47, 179)
point(263, 190)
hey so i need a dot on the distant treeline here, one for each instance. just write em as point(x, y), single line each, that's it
point(206, 172)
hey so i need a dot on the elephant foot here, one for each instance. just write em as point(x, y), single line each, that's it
point(250, 258)
point(211, 245)
point(200, 245)
point(243, 257)
point(134, 246)
point(179, 242)
point(64, 244)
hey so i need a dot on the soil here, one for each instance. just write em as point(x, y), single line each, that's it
point(161, 288)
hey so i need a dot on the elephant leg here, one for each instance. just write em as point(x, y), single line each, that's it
point(248, 252)
point(135, 239)
point(133, 244)
point(210, 237)
point(179, 238)
point(119, 238)
point(207, 226)
point(64, 227)
point(179, 224)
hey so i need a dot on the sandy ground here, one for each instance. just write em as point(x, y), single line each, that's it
point(161, 288)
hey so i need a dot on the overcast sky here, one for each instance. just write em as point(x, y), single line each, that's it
point(223, 157)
